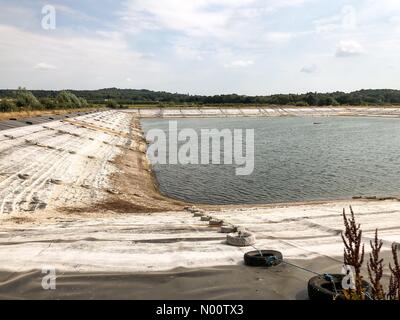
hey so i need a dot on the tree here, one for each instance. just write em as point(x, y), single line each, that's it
point(25, 99)
point(312, 99)
point(7, 106)
point(48, 104)
point(132, 96)
point(112, 104)
point(84, 103)
point(68, 100)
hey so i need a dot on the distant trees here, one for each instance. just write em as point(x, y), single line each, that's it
point(7, 105)
point(83, 102)
point(312, 99)
point(67, 100)
point(328, 101)
point(113, 98)
point(24, 99)
point(112, 104)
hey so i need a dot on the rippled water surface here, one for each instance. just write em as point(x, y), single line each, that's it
point(295, 160)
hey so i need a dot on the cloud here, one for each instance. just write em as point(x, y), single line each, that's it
point(239, 64)
point(309, 69)
point(277, 37)
point(113, 45)
point(347, 49)
point(80, 59)
point(188, 52)
point(346, 20)
point(76, 14)
point(44, 66)
point(199, 18)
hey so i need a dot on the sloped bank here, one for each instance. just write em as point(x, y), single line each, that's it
point(92, 163)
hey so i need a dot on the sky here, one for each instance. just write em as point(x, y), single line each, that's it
point(252, 47)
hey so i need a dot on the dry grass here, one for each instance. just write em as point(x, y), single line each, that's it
point(354, 256)
point(394, 287)
point(38, 113)
point(353, 249)
point(375, 268)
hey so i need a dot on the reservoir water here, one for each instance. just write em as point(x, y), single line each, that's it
point(296, 159)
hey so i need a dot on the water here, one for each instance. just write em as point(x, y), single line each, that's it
point(295, 160)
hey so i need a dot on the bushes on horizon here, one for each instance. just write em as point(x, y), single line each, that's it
point(301, 104)
point(312, 99)
point(24, 99)
point(68, 100)
point(84, 103)
point(48, 104)
point(7, 106)
point(132, 96)
point(112, 104)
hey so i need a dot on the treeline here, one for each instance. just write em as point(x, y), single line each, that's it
point(114, 97)
point(23, 100)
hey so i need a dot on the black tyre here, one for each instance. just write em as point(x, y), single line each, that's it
point(263, 258)
point(321, 289)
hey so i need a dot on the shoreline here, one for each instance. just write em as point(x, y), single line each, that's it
point(263, 111)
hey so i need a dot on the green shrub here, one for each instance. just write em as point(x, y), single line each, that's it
point(7, 106)
point(26, 100)
point(48, 104)
point(301, 104)
point(68, 100)
point(84, 103)
point(112, 104)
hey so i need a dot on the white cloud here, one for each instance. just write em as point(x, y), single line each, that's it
point(260, 39)
point(187, 52)
point(14, 14)
point(376, 9)
point(346, 20)
point(44, 66)
point(76, 14)
point(309, 69)
point(349, 49)
point(239, 64)
point(210, 18)
point(188, 17)
point(80, 59)
point(277, 37)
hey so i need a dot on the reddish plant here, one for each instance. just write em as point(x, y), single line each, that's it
point(394, 285)
point(354, 256)
point(353, 249)
point(375, 268)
